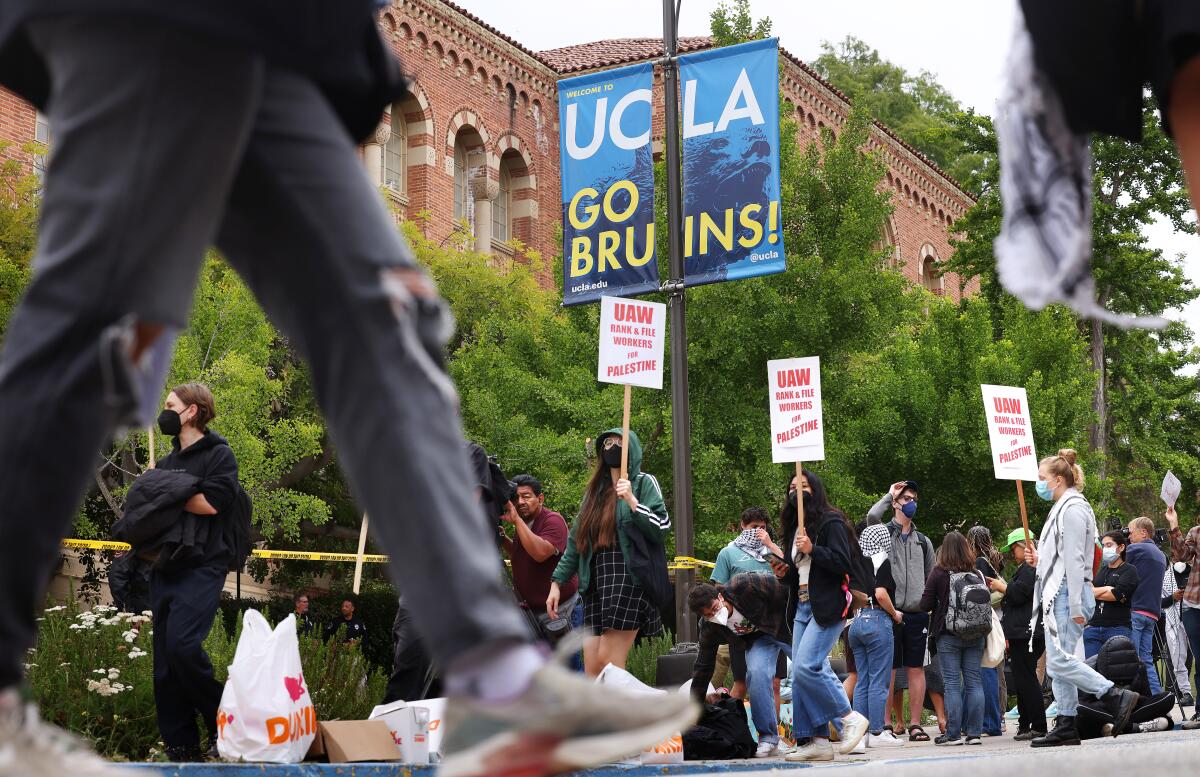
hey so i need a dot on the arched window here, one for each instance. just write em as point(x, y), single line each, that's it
point(502, 210)
point(931, 276)
point(395, 153)
point(468, 162)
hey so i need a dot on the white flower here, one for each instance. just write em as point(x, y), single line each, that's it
point(130, 635)
point(136, 653)
point(99, 671)
point(114, 674)
point(147, 613)
point(59, 608)
point(65, 663)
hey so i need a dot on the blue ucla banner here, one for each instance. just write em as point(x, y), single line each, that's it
point(607, 184)
point(730, 125)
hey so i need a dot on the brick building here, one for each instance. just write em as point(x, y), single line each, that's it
point(475, 146)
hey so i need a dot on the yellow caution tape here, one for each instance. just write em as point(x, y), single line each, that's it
point(95, 545)
point(680, 562)
point(687, 562)
point(288, 555)
point(303, 555)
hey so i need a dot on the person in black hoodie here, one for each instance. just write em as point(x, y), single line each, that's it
point(185, 599)
point(817, 565)
point(1024, 647)
point(1115, 585)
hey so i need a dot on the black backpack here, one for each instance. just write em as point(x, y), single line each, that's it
point(648, 563)
point(969, 607)
point(722, 733)
point(239, 530)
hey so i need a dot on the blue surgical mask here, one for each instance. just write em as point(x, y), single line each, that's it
point(1108, 554)
point(909, 509)
point(1044, 490)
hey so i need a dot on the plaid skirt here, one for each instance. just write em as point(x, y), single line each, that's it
point(614, 601)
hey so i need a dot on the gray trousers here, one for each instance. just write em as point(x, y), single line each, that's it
point(164, 144)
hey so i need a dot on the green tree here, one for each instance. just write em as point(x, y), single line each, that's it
point(20, 197)
point(1143, 392)
point(732, 23)
point(916, 107)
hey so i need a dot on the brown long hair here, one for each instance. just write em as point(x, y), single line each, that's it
point(596, 526)
point(980, 538)
point(955, 554)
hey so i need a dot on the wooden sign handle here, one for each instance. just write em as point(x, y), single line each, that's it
point(362, 545)
point(1024, 514)
point(625, 433)
point(800, 497)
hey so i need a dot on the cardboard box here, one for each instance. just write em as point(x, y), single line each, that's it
point(353, 741)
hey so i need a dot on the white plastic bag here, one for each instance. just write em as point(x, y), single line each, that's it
point(670, 750)
point(266, 713)
point(993, 648)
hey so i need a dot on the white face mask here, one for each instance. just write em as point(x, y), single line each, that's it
point(1180, 567)
point(721, 616)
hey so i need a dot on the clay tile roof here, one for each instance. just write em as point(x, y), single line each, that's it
point(616, 51)
point(514, 42)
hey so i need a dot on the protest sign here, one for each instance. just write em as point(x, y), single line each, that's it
point(607, 184)
point(731, 219)
point(797, 426)
point(632, 333)
point(1010, 432)
point(1170, 489)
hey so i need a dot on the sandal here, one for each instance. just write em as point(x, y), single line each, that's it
point(917, 734)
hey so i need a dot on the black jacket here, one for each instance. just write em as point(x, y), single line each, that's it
point(764, 601)
point(829, 575)
point(336, 43)
point(1016, 608)
point(153, 506)
point(211, 461)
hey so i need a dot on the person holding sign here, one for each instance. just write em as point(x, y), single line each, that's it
point(1063, 595)
point(600, 549)
point(817, 565)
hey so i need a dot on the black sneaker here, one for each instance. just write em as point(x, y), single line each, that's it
point(185, 754)
point(1028, 736)
point(1064, 733)
point(1120, 703)
point(1186, 700)
point(974, 741)
point(945, 740)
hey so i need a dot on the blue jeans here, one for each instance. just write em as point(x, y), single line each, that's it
point(1143, 640)
point(871, 639)
point(817, 696)
point(960, 662)
point(1069, 674)
point(761, 659)
point(990, 677)
point(1094, 637)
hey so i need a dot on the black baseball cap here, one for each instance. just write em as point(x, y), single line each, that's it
point(911, 485)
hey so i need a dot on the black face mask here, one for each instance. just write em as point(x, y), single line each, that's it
point(611, 456)
point(792, 498)
point(169, 423)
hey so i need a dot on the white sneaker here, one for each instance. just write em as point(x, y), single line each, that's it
point(861, 747)
point(563, 723)
point(31, 748)
point(816, 750)
point(886, 739)
point(854, 728)
point(1158, 724)
point(771, 750)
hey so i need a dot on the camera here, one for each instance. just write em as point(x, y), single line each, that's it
point(1161, 536)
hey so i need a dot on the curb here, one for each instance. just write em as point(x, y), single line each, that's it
point(412, 770)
